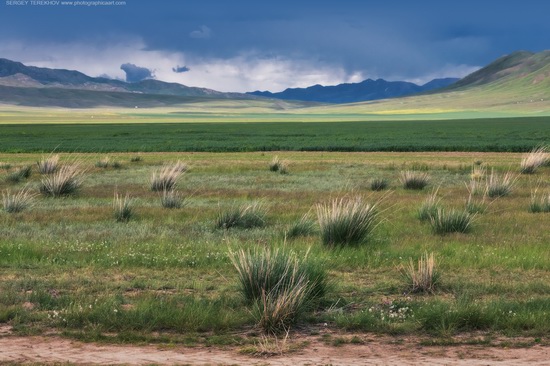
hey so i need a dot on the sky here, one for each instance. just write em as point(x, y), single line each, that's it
point(234, 45)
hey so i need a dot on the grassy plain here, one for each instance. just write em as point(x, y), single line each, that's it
point(493, 134)
point(67, 266)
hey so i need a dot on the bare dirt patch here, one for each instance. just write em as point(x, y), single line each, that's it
point(374, 351)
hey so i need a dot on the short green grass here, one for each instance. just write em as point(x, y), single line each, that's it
point(165, 275)
point(115, 134)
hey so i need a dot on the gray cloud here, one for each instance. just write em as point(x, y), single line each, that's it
point(135, 73)
point(203, 33)
point(179, 69)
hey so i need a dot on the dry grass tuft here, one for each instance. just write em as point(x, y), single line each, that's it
point(538, 157)
point(67, 180)
point(167, 177)
point(424, 277)
point(48, 165)
point(346, 221)
point(17, 202)
point(414, 180)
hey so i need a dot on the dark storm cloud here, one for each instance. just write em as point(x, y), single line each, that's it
point(135, 73)
point(395, 37)
point(179, 69)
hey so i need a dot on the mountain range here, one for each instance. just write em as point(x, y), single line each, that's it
point(37, 86)
point(518, 81)
point(356, 92)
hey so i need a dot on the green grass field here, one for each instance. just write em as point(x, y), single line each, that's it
point(67, 266)
point(494, 134)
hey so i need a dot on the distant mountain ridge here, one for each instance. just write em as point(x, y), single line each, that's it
point(356, 92)
point(16, 74)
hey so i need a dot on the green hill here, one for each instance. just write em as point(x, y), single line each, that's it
point(518, 83)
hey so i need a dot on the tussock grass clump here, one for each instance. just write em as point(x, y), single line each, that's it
point(5, 166)
point(122, 207)
point(478, 172)
point(429, 207)
point(17, 202)
point(423, 278)
point(275, 164)
point(19, 175)
point(500, 185)
point(303, 227)
point(379, 184)
point(281, 285)
point(414, 180)
point(171, 199)
point(48, 165)
point(346, 221)
point(245, 216)
point(103, 162)
point(448, 221)
point(538, 157)
point(136, 159)
point(166, 178)
point(66, 181)
point(539, 203)
point(278, 165)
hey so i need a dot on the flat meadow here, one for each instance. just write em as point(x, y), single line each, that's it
point(114, 262)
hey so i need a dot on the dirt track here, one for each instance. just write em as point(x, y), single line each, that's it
point(49, 350)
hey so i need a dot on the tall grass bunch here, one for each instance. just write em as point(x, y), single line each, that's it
point(379, 184)
point(303, 227)
point(538, 157)
point(65, 181)
point(539, 203)
point(429, 207)
point(281, 285)
point(422, 278)
point(166, 178)
point(414, 180)
point(448, 221)
point(245, 216)
point(17, 202)
point(171, 199)
point(500, 185)
point(122, 208)
point(346, 221)
point(278, 165)
point(48, 165)
point(19, 175)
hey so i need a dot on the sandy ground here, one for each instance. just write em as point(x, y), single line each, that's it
point(373, 352)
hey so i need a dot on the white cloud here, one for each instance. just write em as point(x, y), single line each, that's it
point(246, 72)
point(203, 32)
